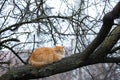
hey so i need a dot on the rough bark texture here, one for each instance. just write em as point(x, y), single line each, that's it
point(108, 21)
point(77, 60)
point(108, 43)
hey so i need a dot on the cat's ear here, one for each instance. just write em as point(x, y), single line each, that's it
point(63, 47)
point(59, 47)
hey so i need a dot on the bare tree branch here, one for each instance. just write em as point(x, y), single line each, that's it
point(108, 21)
point(17, 25)
point(109, 42)
point(8, 40)
point(114, 49)
point(14, 53)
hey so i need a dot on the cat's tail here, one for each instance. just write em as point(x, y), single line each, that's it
point(37, 64)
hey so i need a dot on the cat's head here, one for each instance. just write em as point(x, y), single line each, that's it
point(59, 49)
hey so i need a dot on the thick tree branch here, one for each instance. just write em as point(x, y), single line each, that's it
point(112, 60)
point(107, 44)
point(69, 63)
point(28, 72)
point(108, 21)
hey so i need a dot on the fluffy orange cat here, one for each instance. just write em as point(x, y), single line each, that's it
point(45, 55)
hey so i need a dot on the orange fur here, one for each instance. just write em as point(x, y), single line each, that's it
point(45, 55)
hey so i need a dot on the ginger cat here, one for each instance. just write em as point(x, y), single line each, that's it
point(43, 56)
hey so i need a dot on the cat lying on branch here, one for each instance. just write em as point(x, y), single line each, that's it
point(43, 56)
